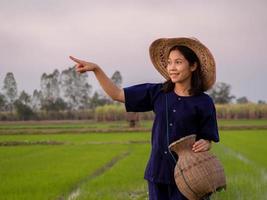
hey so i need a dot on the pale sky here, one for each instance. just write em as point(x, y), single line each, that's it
point(38, 36)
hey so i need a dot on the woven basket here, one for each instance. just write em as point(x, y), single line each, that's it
point(197, 175)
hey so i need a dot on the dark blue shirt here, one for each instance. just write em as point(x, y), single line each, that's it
point(186, 115)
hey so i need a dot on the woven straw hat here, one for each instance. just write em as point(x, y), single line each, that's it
point(160, 48)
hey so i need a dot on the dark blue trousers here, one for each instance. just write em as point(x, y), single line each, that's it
point(159, 191)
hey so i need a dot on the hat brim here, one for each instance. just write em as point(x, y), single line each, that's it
point(160, 48)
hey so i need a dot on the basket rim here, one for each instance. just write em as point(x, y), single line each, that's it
point(181, 140)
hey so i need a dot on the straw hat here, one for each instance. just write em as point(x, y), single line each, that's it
point(160, 48)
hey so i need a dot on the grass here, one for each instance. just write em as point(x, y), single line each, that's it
point(123, 181)
point(243, 154)
point(81, 138)
point(42, 172)
point(111, 166)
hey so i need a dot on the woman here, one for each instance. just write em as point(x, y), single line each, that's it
point(180, 105)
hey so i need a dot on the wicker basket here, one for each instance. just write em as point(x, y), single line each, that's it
point(197, 175)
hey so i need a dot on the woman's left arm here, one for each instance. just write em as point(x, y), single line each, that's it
point(208, 127)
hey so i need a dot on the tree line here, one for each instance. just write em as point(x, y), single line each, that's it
point(59, 91)
point(63, 93)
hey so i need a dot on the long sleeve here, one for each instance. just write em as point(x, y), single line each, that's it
point(208, 128)
point(140, 98)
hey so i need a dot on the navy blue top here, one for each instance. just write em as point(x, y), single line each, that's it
point(186, 115)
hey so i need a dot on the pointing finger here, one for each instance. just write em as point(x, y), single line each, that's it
point(75, 59)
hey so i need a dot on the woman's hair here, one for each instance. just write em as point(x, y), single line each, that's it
point(196, 80)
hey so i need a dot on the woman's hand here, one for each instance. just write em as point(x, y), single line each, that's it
point(83, 66)
point(201, 145)
point(106, 83)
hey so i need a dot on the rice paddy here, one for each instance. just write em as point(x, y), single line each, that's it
point(90, 165)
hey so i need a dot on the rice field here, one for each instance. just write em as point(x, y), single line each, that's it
point(111, 165)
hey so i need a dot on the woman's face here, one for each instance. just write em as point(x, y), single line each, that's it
point(178, 67)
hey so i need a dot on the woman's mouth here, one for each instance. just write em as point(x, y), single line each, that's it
point(174, 74)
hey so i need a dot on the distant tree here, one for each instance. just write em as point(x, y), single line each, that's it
point(25, 98)
point(10, 89)
point(117, 78)
point(242, 100)
point(94, 100)
point(261, 102)
point(51, 105)
point(220, 93)
point(60, 104)
point(98, 100)
point(24, 111)
point(50, 86)
point(37, 99)
point(2, 102)
point(75, 89)
point(85, 90)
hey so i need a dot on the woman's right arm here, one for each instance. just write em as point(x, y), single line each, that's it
point(108, 86)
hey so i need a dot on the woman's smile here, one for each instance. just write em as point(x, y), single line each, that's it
point(174, 74)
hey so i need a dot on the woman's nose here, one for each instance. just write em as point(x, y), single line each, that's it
point(171, 66)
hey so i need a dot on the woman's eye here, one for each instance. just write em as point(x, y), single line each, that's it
point(178, 62)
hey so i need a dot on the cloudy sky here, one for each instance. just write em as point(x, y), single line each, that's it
point(38, 36)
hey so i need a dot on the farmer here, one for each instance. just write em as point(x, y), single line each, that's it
point(189, 69)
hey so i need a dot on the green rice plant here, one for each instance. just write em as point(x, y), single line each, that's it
point(47, 172)
point(111, 166)
point(243, 156)
point(123, 181)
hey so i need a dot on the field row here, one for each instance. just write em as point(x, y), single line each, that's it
point(111, 166)
point(54, 127)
